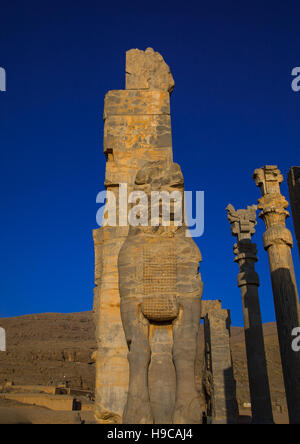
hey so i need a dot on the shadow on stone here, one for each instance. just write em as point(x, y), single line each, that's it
point(287, 308)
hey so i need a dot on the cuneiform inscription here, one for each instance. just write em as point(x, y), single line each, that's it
point(159, 302)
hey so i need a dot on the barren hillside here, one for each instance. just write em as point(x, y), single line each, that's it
point(52, 348)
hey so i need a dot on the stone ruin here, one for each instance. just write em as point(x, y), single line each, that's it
point(148, 289)
point(137, 128)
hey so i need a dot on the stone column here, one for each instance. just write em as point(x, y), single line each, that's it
point(242, 226)
point(220, 382)
point(294, 189)
point(278, 243)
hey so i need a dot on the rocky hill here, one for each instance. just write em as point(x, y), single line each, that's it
point(53, 348)
point(49, 348)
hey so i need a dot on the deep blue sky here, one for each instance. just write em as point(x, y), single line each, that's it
point(233, 110)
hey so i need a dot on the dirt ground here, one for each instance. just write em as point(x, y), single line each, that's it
point(12, 412)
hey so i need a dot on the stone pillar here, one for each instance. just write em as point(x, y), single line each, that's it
point(294, 189)
point(137, 128)
point(220, 383)
point(278, 243)
point(2, 340)
point(242, 226)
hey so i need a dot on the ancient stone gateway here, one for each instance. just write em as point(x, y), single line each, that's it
point(137, 128)
point(147, 297)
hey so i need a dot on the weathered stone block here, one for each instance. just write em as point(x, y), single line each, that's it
point(136, 102)
point(147, 70)
point(124, 133)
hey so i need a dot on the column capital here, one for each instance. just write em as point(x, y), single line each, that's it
point(268, 179)
point(272, 203)
point(273, 206)
point(242, 222)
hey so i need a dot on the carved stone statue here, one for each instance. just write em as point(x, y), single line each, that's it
point(160, 289)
